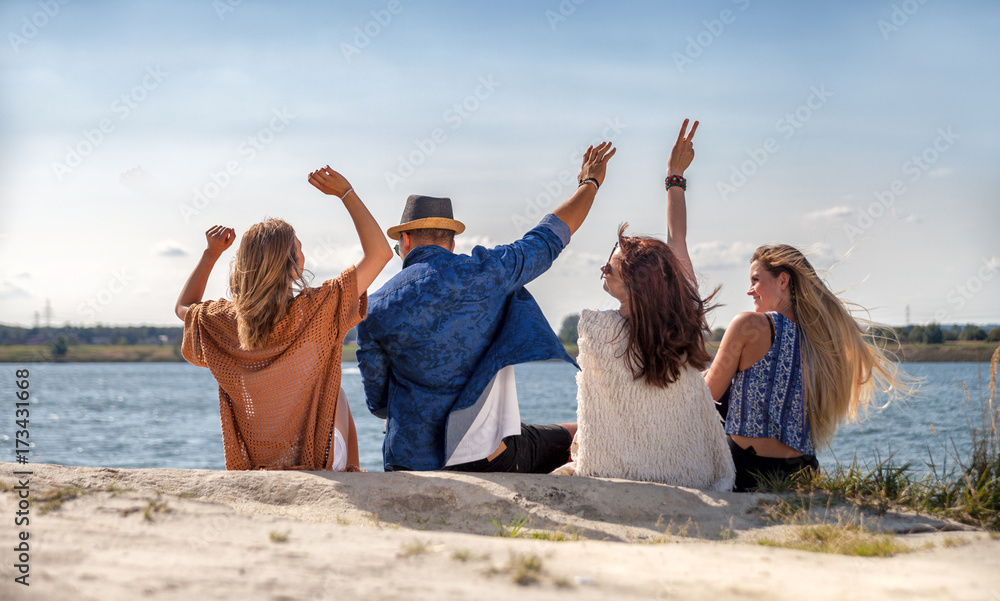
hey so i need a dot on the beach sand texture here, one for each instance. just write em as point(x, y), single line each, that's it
point(204, 535)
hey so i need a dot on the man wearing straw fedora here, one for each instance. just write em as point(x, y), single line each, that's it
point(438, 347)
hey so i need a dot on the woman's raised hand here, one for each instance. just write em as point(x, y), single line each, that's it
point(328, 181)
point(220, 238)
point(595, 162)
point(682, 153)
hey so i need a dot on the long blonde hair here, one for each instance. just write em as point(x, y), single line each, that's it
point(843, 365)
point(264, 274)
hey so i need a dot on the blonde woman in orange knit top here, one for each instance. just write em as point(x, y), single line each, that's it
point(275, 349)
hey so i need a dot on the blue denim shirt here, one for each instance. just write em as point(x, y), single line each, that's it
point(438, 332)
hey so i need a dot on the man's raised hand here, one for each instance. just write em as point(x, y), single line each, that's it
point(595, 161)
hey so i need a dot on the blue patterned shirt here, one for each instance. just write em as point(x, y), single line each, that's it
point(766, 400)
point(440, 329)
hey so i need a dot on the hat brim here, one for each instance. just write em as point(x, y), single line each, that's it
point(438, 223)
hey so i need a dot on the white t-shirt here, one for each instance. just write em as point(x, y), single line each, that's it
point(499, 418)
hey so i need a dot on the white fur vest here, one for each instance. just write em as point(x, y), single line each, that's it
point(629, 429)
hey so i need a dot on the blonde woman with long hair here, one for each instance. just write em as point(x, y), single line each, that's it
point(792, 370)
point(275, 349)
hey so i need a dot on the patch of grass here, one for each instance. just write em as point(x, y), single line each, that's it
point(116, 490)
point(509, 529)
point(4, 487)
point(54, 498)
point(682, 530)
point(969, 492)
point(525, 569)
point(414, 548)
point(843, 538)
point(726, 532)
point(155, 506)
point(465, 555)
point(341, 520)
point(279, 537)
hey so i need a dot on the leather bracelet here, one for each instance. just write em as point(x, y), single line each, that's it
point(597, 186)
point(676, 180)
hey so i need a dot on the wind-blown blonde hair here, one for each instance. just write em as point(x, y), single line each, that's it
point(264, 275)
point(842, 365)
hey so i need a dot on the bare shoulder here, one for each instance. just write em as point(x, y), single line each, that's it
point(750, 326)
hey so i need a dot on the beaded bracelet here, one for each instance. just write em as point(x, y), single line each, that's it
point(676, 180)
point(597, 186)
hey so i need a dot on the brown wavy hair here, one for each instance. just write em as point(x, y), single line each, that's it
point(667, 323)
point(263, 279)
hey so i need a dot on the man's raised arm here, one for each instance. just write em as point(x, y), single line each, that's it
point(595, 163)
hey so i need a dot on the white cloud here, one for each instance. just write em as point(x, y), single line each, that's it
point(912, 218)
point(720, 255)
point(940, 172)
point(169, 248)
point(835, 213)
point(465, 244)
point(9, 290)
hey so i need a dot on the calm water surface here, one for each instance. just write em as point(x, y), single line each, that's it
point(137, 415)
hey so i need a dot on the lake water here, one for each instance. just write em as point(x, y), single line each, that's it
point(139, 415)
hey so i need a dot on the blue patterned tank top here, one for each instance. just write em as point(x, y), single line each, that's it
point(766, 399)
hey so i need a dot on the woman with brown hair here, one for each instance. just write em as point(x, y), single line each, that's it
point(275, 349)
point(644, 411)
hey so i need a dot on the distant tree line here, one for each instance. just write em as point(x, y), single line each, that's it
point(931, 333)
point(75, 335)
point(103, 335)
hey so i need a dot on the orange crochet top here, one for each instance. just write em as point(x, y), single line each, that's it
point(278, 403)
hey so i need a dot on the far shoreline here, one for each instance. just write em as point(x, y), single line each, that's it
point(949, 352)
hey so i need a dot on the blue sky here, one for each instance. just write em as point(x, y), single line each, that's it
point(859, 131)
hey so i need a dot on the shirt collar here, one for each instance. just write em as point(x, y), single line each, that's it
point(422, 253)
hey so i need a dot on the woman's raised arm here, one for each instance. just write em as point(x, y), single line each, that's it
point(219, 239)
point(680, 158)
point(374, 246)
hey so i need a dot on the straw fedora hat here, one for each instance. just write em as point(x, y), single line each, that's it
point(422, 212)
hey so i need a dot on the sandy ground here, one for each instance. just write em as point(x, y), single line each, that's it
point(204, 535)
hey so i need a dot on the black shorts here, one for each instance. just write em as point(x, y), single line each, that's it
point(750, 467)
point(539, 449)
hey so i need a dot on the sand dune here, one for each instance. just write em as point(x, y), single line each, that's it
point(196, 534)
